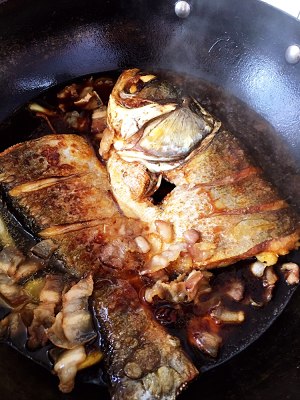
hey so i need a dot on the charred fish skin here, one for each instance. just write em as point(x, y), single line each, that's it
point(144, 361)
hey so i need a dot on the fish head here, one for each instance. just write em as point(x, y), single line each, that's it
point(153, 123)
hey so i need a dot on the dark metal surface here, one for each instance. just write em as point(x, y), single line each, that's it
point(236, 44)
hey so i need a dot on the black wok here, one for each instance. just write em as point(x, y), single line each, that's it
point(237, 45)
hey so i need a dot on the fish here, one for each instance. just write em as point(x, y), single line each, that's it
point(145, 363)
point(147, 117)
point(118, 248)
point(236, 212)
point(61, 190)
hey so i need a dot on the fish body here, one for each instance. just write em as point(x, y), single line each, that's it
point(155, 366)
point(217, 189)
point(103, 224)
point(68, 202)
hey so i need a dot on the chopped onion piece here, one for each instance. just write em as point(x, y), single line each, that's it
point(165, 230)
point(291, 273)
point(270, 278)
point(92, 358)
point(183, 289)
point(222, 315)
point(142, 244)
point(147, 78)
point(155, 242)
point(160, 261)
point(192, 236)
point(235, 290)
point(255, 303)
point(40, 109)
point(67, 366)
point(106, 143)
point(208, 342)
point(157, 263)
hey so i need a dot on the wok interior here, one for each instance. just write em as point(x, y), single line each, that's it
point(274, 149)
point(215, 99)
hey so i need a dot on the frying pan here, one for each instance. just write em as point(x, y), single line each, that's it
point(237, 47)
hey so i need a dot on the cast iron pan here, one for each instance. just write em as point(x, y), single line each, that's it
point(237, 48)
